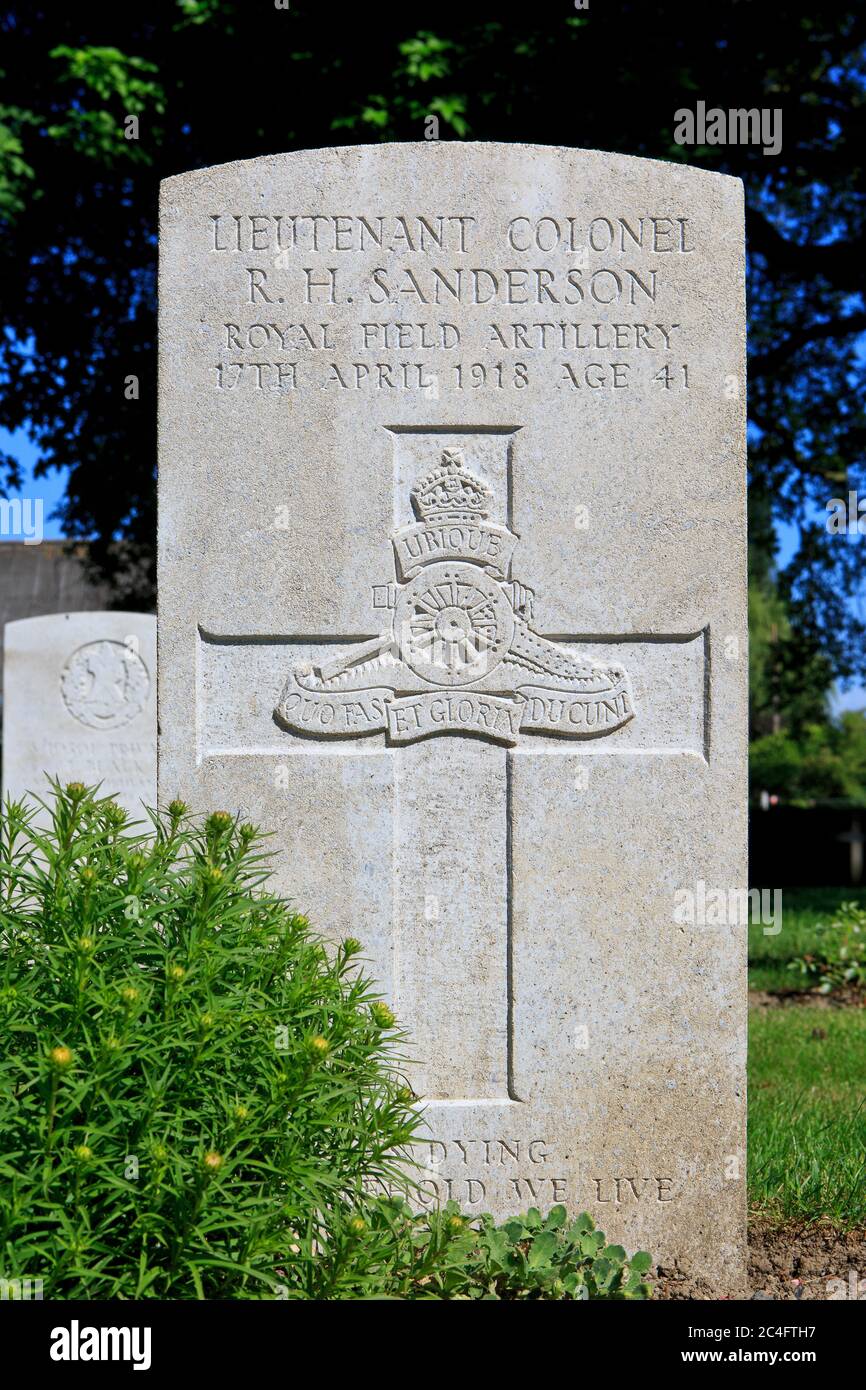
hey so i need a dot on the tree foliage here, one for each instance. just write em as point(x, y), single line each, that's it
point(215, 80)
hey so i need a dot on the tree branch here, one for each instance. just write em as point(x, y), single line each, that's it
point(765, 362)
point(840, 262)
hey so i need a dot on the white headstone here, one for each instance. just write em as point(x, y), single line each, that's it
point(79, 703)
point(452, 599)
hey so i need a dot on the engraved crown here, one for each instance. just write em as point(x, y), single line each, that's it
point(451, 492)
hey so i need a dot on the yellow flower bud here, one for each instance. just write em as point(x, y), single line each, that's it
point(382, 1016)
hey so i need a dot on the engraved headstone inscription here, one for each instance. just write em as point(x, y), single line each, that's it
point(79, 703)
point(452, 600)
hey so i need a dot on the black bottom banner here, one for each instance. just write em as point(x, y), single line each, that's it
point(78, 1340)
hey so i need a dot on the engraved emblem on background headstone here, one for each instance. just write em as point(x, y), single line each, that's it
point(104, 685)
point(459, 656)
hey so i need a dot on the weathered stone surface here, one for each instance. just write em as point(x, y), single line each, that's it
point(79, 703)
point(452, 599)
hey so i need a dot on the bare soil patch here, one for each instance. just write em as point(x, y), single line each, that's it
point(789, 1263)
point(850, 997)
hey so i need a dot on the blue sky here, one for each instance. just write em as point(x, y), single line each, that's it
point(49, 489)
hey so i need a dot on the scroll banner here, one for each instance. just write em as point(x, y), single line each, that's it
point(333, 713)
point(477, 541)
point(585, 715)
point(532, 709)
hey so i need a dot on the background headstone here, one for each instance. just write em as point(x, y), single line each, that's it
point(80, 704)
point(452, 599)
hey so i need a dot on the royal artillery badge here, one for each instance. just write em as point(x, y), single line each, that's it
point(459, 656)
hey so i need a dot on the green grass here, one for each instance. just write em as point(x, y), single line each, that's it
point(802, 910)
point(807, 1114)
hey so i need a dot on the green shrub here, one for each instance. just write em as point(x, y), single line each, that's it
point(528, 1257)
point(839, 955)
point(194, 1095)
point(197, 1100)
